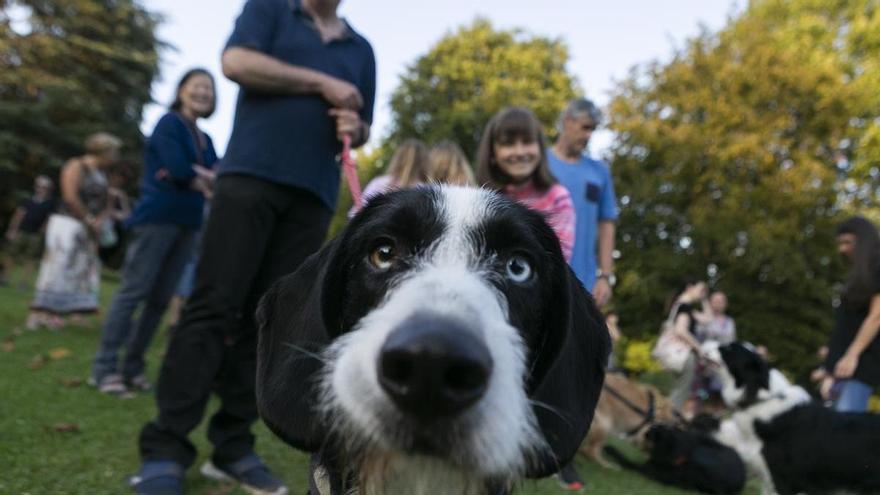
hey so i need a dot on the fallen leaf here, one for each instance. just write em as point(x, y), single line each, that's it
point(38, 362)
point(8, 344)
point(64, 428)
point(226, 489)
point(16, 332)
point(60, 353)
point(71, 381)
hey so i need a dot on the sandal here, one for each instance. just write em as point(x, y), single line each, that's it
point(140, 383)
point(113, 385)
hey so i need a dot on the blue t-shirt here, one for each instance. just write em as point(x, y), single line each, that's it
point(592, 191)
point(166, 195)
point(290, 139)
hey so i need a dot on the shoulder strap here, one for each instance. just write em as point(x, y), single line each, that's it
point(673, 312)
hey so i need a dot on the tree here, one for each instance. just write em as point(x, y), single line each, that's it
point(453, 90)
point(70, 68)
point(456, 87)
point(725, 165)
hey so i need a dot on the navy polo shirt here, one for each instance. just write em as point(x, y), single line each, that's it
point(290, 139)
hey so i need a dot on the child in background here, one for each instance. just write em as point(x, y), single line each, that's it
point(512, 159)
point(409, 167)
point(26, 230)
point(449, 165)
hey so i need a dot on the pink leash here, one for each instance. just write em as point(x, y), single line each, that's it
point(349, 168)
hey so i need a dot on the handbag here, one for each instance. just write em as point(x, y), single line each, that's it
point(671, 351)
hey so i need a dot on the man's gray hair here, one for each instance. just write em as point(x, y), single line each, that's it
point(578, 108)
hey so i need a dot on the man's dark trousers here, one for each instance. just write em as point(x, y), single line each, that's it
point(257, 232)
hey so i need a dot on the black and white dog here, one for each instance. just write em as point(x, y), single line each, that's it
point(440, 344)
point(793, 445)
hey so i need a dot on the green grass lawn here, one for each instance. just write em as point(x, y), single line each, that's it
point(36, 459)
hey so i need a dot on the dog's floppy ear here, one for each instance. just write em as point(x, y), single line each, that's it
point(758, 377)
point(749, 370)
point(568, 372)
point(293, 332)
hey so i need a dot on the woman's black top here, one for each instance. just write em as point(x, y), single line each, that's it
point(848, 318)
point(688, 309)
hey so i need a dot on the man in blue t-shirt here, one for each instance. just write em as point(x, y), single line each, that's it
point(306, 79)
point(592, 191)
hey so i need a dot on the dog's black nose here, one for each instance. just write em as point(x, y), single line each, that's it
point(433, 367)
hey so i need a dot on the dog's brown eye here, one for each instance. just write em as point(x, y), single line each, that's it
point(518, 269)
point(383, 256)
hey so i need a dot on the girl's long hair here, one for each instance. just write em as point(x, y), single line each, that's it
point(861, 284)
point(505, 127)
point(449, 165)
point(409, 164)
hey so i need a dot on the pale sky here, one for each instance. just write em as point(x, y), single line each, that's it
point(605, 39)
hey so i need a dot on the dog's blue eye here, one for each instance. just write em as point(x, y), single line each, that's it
point(518, 269)
point(383, 256)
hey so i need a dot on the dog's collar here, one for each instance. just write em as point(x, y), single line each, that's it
point(648, 416)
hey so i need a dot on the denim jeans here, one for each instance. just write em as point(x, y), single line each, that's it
point(853, 396)
point(153, 264)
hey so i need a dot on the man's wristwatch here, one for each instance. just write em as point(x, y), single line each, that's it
point(608, 276)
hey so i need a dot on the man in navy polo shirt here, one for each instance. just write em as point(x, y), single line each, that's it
point(306, 79)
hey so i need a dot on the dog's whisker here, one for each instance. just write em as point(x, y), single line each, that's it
point(550, 408)
point(306, 352)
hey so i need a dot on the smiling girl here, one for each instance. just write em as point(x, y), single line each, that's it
point(512, 160)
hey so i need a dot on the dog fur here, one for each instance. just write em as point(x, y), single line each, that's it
point(322, 329)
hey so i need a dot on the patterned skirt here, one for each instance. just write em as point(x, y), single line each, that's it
point(69, 271)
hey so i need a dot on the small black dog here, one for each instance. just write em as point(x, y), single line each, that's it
point(689, 460)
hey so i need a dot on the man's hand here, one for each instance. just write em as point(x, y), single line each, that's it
point(347, 122)
point(341, 94)
point(602, 292)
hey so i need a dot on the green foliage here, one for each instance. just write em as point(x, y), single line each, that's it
point(725, 165)
point(81, 66)
point(637, 356)
point(467, 76)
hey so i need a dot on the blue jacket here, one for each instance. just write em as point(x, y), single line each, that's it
point(166, 196)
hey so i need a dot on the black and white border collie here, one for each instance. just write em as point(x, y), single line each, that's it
point(440, 344)
point(793, 445)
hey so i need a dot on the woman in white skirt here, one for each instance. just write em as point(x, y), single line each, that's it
point(70, 269)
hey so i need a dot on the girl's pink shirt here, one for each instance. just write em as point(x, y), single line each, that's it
point(556, 205)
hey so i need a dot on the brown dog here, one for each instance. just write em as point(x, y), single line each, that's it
point(625, 406)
